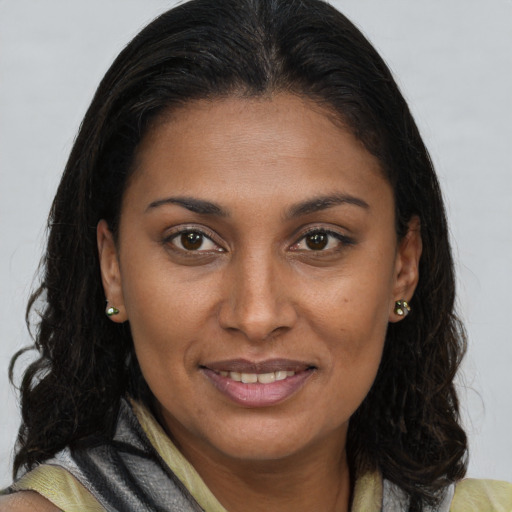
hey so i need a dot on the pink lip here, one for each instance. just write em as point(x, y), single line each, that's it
point(257, 394)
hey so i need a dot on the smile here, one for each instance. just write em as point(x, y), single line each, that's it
point(261, 378)
point(258, 384)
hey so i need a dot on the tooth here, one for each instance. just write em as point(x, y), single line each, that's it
point(262, 378)
point(266, 378)
point(249, 378)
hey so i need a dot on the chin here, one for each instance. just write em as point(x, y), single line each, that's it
point(262, 448)
point(266, 441)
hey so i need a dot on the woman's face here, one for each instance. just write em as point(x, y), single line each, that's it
point(257, 265)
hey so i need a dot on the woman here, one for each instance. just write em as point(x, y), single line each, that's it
point(250, 195)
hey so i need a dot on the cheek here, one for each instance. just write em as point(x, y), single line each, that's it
point(351, 317)
point(353, 304)
point(168, 312)
point(355, 356)
point(158, 296)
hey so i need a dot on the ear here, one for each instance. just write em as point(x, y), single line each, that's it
point(407, 266)
point(110, 271)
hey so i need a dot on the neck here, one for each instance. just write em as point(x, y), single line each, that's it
point(315, 479)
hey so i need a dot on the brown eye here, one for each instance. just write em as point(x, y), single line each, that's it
point(317, 241)
point(192, 240)
point(323, 242)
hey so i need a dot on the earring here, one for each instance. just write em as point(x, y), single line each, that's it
point(402, 308)
point(111, 310)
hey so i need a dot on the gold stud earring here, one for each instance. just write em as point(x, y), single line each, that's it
point(402, 308)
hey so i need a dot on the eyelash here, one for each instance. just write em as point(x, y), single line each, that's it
point(207, 236)
point(342, 239)
point(168, 240)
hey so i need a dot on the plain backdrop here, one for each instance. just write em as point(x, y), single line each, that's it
point(453, 61)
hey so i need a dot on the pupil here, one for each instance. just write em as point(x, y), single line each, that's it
point(192, 241)
point(317, 241)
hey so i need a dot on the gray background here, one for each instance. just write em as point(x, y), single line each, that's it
point(453, 60)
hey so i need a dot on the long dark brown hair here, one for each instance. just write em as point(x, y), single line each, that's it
point(408, 426)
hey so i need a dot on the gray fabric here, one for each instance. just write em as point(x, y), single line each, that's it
point(395, 499)
point(126, 474)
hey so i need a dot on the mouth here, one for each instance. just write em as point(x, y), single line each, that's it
point(261, 378)
point(260, 384)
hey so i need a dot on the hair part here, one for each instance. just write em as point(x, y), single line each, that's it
point(408, 426)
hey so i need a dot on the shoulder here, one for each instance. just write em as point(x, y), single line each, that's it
point(26, 501)
point(50, 488)
point(475, 495)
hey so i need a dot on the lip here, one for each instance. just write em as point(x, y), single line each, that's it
point(256, 394)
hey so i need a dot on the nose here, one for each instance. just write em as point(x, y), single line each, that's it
point(258, 299)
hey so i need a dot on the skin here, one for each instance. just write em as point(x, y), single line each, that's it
point(256, 290)
point(26, 501)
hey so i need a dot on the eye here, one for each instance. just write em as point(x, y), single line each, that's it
point(194, 240)
point(321, 240)
point(317, 241)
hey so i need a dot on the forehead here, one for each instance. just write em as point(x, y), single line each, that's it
point(263, 147)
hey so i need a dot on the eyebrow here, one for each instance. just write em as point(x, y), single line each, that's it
point(190, 203)
point(320, 203)
point(313, 205)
